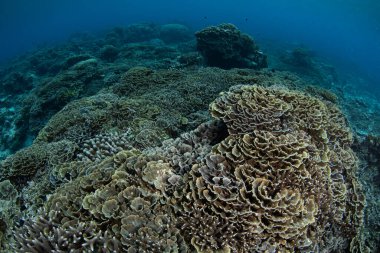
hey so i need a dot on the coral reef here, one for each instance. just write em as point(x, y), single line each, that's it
point(118, 152)
point(368, 150)
point(119, 213)
point(363, 113)
point(137, 105)
point(20, 167)
point(41, 83)
point(46, 234)
point(103, 145)
point(242, 185)
point(139, 102)
point(174, 33)
point(260, 188)
point(226, 47)
point(8, 207)
point(16, 82)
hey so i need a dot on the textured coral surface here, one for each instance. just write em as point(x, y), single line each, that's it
point(226, 47)
point(273, 172)
point(121, 154)
point(281, 181)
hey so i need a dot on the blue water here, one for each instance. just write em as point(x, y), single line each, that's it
point(345, 31)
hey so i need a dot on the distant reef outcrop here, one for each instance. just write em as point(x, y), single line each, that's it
point(224, 46)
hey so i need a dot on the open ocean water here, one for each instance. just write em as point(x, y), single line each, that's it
point(190, 126)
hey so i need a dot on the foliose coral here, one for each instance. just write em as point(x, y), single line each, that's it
point(113, 209)
point(260, 188)
point(248, 182)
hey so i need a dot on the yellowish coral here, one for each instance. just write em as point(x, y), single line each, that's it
point(248, 108)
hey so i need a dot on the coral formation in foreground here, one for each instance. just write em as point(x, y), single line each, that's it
point(274, 172)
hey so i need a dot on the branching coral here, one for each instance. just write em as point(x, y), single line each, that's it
point(103, 145)
point(48, 234)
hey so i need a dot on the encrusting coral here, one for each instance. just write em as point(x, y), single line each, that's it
point(273, 173)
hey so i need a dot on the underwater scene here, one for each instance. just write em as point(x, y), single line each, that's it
point(190, 126)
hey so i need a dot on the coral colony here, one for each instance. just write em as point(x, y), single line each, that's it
point(149, 139)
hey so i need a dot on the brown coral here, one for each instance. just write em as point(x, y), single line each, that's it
point(259, 187)
point(48, 234)
point(274, 174)
point(275, 183)
point(123, 213)
point(24, 164)
point(103, 145)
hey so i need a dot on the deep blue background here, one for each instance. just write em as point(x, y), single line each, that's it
point(346, 31)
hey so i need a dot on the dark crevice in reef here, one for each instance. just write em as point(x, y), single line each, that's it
point(221, 133)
